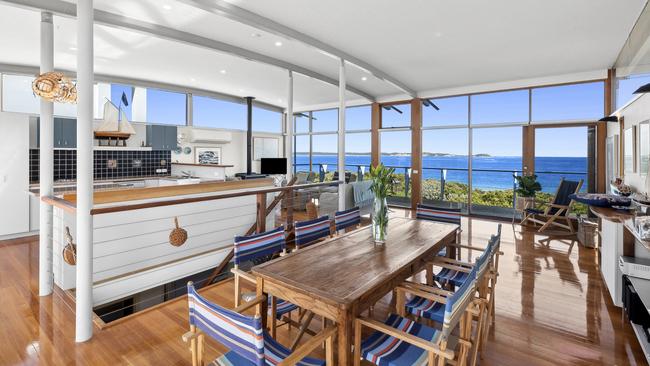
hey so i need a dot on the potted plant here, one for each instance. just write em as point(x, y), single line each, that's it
point(527, 186)
point(381, 177)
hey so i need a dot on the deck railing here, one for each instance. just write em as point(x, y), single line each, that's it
point(445, 188)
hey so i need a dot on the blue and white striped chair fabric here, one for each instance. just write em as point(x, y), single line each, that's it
point(307, 232)
point(382, 349)
point(440, 214)
point(430, 309)
point(252, 247)
point(259, 248)
point(243, 335)
point(347, 218)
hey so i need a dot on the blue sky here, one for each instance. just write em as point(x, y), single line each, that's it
point(569, 102)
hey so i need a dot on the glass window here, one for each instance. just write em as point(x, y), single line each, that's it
point(444, 166)
point(358, 118)
point(325, 120)
point(215, 113)
point(396, 153)
point(301, 122)
point(501, 107)
point(357, 153)
point(165, 107)
point(265, 120)
point(116, 97)
point(626, 86)
point(324, 154)
point(558, 152)
point(497, 155)
point(583, 101)
point(398, 115)
point(451, 111)
point(301, 153)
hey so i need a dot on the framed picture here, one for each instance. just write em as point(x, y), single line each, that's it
point(266, 147)
point(644, 147)
point(629, 150)
point(208, 155)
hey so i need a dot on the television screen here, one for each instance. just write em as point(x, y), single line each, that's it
point(273, 166)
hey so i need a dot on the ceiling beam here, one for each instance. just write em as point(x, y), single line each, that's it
point(34, 70)
point(241, 15)
point(66, 9)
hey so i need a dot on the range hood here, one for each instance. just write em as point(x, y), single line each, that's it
point(206, 136)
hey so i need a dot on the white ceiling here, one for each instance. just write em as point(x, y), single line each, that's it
point(426, 44)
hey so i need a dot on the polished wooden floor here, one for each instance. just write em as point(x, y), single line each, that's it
point(552, 309)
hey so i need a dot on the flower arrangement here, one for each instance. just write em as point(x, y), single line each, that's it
point(382, 178)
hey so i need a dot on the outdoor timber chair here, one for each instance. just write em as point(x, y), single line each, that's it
point(259, 248)
point(245, 337)
point(557, 211)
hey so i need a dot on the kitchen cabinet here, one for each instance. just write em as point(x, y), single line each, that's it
point(65, 133)
point(161, 137)
point(14, 173)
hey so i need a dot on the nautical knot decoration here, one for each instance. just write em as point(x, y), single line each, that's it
point(55, 87)
point(70, 249)
point(178, 235)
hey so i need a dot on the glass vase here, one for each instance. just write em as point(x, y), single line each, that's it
point(379, 225)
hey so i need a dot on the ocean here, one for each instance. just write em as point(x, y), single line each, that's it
point(484, 175)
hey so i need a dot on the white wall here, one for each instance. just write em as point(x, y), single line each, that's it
point(634, 113)
point(14, 173)
point(233, 153)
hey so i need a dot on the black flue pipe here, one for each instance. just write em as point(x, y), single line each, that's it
point(249, 135)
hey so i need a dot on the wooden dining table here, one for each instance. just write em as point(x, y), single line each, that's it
point(343, 276)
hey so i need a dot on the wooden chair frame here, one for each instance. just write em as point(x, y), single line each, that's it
point(547, 218)
point(196, 338)
point(238, 276)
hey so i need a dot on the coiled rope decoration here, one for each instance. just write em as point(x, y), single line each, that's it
point(55, 87)
point(70, 249)
point(178, 235)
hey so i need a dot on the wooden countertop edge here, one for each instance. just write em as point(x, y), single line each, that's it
point(206, 165)
point(610, 214)
point(60, 203)
point(136, 194)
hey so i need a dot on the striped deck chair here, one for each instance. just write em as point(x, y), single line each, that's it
point(248, 343)
point(347, 218)
point(308, 232)
point(440, 214)
point(402, 341)
point(259, 248)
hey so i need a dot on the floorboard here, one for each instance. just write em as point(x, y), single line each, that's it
point(552, 308)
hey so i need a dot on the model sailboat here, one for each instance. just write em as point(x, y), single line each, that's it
point(114, 127)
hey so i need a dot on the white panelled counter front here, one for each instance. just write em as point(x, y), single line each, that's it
point(132, 250)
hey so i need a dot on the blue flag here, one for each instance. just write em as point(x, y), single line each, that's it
point(124, 100)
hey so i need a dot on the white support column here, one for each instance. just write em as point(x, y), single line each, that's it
point(341, 145)
point(85, 52)
point(46, 169)
point(288, 148)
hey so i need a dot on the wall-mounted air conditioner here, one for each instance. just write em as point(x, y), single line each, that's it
point(205, 136)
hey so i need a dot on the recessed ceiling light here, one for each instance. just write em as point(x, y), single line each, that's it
point(167, 7)
point(279, 100)
point(192, 79)
point(223, 71)
point(73, 48)
point(241, 90)
point(256, 35)
point(278, 43)
point(438, 34)
point(364, 78)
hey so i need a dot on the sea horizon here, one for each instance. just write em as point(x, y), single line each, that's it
point(489, 172)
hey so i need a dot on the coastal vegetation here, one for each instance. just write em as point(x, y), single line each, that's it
point(457, 192)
